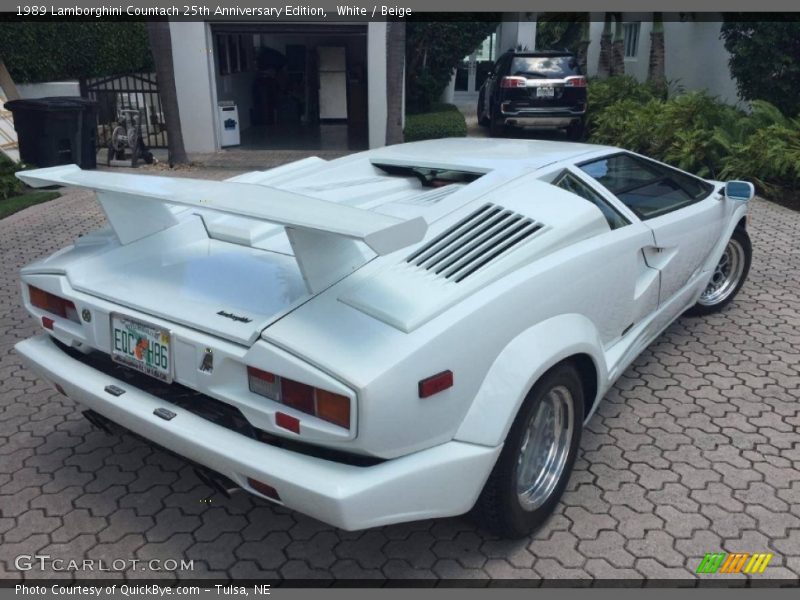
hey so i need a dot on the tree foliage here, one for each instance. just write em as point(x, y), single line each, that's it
point(433, 50)
point(765, 60)
point(698, 133)
point(52, 51)
point(560, 31)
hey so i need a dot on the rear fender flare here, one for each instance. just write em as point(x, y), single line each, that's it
point(517, 368)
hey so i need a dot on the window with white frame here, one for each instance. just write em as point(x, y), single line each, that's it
point(631, 31)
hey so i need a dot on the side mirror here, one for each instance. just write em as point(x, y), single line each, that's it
point(743, 191)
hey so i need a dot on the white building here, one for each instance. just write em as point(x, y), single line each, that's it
point(695, 56)
point(295, 85)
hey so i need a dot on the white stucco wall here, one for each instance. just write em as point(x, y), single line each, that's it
point(695, 56)
point(376, 83)
point(191, 56)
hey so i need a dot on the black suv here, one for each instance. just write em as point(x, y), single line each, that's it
point(545, 90)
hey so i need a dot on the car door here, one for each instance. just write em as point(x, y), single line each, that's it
point(623, 247)
point(683, 211)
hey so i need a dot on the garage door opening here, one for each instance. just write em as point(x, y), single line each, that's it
point(296, 88)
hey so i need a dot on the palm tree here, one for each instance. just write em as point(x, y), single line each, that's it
point(161, 47)
point(583, 45)
point(395, 79)
point(618, 47)
point(604, 61)
point(656, 72)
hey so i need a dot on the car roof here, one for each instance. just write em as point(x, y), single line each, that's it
point(535, 53)
point(484, 154)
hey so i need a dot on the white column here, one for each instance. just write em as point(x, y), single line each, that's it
point(194, 82)
point(376, 83)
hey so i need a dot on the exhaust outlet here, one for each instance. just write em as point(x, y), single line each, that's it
point(99, 421)
point(216, 481)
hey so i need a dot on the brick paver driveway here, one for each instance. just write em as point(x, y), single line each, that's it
point(695, 450)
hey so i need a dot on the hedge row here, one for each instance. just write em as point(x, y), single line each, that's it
point(700, 134)
point(444, 120)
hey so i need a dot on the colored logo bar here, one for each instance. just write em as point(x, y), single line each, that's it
point(741, 562)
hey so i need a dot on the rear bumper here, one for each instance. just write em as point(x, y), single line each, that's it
point(441, 481)
point(541, 117)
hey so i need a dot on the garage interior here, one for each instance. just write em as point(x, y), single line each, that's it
point(295, 87)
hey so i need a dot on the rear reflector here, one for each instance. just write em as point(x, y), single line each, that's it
point(263, 488)
point(513, 82)
point(53, 304)
point(287, 422)
point(435, 384)
point(48, 323)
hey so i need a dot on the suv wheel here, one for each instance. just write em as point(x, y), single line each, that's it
point(497, 127)
point(537, 458)
point(576, 130)
point(483, 120)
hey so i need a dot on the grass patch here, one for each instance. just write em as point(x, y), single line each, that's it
point(17, 203)
point(444, 120)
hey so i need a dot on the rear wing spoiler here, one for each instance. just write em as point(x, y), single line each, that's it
point(321, 232)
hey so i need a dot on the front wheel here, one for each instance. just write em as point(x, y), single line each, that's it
point(728, 276)
point(537, 458)
point(576, 130)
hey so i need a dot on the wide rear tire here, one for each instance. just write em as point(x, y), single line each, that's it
point(537, 458)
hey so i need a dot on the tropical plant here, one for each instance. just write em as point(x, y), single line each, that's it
point(57, 50)
point(433, 49)
point(9, 184)
point(395, 63)
point(161, 43)
point(765, 59)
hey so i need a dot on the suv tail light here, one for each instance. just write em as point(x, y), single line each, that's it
point(53, 304)
point(323, 404)
point(577, 81)
point(513, 82)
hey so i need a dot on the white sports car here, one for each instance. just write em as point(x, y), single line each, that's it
point(404, 333)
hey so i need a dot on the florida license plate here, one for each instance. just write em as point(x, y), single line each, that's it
point(545, 92)
point(141, 346)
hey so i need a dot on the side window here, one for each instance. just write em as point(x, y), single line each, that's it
point(647, 188)
point(567, 181)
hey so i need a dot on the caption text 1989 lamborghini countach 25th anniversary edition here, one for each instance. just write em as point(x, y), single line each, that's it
point(403, 333)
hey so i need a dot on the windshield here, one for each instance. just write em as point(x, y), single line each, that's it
point(545, 67)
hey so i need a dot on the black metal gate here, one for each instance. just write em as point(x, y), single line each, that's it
point(138, 91)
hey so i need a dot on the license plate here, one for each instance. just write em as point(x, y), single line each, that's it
point(545, 92)
point(141, 346)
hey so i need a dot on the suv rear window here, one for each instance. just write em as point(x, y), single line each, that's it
point(545, 67)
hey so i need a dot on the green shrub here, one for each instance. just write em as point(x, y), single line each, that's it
point(9, 184)
point(445, 120)
point(603, 93)
point(698, 133)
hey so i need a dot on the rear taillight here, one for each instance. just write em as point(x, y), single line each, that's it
point(53, 304)
point(323, 404)
point(577, 81)
point(513, 82)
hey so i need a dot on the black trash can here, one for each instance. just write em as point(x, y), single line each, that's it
point(56, 131)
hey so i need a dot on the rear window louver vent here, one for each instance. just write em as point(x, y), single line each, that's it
point(474, 242)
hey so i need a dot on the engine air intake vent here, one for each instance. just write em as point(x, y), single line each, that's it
point(474, 242)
